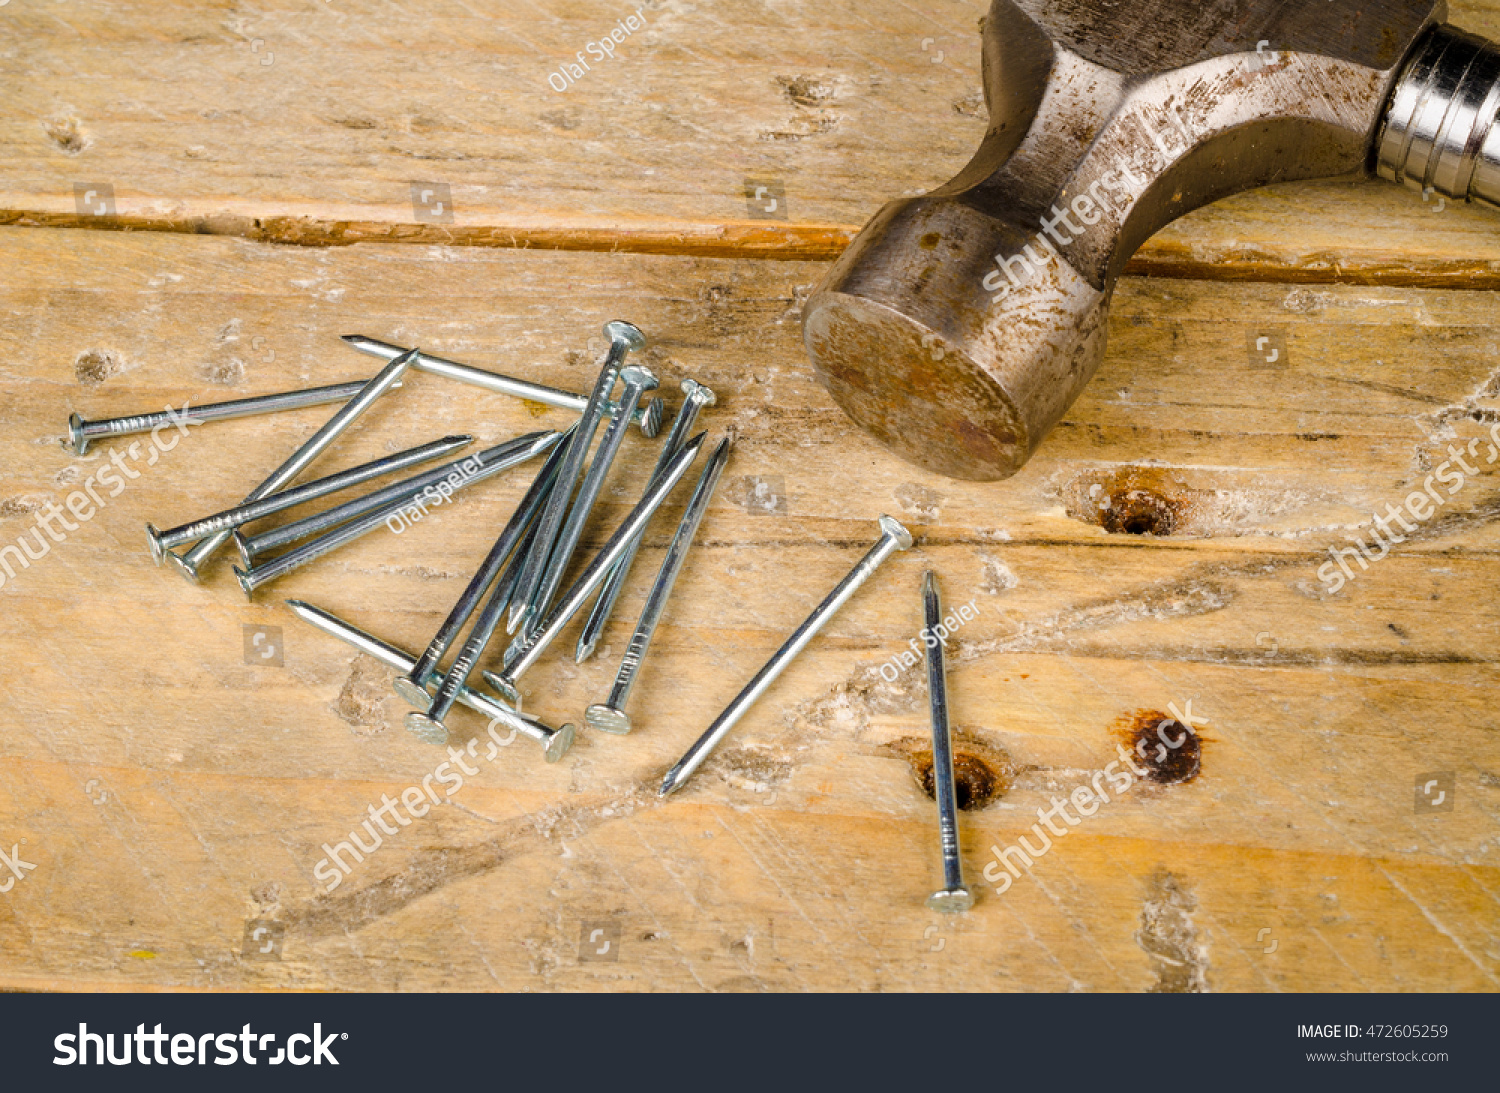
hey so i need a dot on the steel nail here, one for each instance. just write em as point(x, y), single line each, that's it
point(190, 563)
point(637, 380)
point(313, 549)
point(413, 685)
point(81, 432)
point(253, 548)
point(648, 417)
point(953, 896)
point(429, 724)
point(698, 397)
point(893, 537)
point(623, 337)
point(555, 742)
point(162, 541)
point(574, 598)
point(610, 716)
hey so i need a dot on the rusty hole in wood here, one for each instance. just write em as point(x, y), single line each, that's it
point(1138, 512)
point(982, 773)
point(1169, 752)
point(1132, 501)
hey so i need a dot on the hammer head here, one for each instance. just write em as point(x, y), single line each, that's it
point(959, 326)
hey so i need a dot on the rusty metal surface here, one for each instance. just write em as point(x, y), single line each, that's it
point(959, 326)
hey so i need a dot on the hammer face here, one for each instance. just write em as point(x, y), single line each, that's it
point(904, 334)
point(959, 327)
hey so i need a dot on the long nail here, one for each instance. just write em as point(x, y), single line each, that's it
point(81, 432)
point(162, 541)
point(893, 537)
point(574, 598)
point(252, 548)
point(610, 716)
point(637, 380)
point(648, 417)
point(622, 338)
point(413, 686)
point(953, 896)
point(313, 549)
point(555, 742)
point(698, 396)
point(190, 563)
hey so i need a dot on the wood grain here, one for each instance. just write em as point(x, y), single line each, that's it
point(171, 794)
point(309, 124)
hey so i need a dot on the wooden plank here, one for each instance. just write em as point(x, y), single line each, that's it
point(173, 796)
point(310, 124)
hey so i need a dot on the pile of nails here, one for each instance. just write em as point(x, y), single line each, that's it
point(520, 579)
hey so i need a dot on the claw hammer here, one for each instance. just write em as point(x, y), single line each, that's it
point(959, 326)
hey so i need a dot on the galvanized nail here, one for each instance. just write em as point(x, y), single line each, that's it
point(610, 716)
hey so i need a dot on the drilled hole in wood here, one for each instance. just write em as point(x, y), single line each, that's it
point(1162, 746)
point(1138, 512)
point(982, 772)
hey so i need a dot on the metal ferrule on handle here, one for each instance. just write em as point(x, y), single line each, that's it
point(1441, 130)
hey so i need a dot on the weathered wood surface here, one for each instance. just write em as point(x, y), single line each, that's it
point(309, 123)
point(172, 795)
